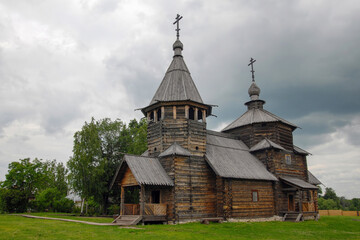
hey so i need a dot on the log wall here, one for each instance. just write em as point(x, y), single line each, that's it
point(235, 199)
point(275, 131)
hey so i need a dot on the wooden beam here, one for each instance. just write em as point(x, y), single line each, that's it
point(142, 199)
point(122, 195)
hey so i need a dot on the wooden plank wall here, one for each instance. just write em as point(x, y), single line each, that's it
point(128, 179)
point(275, 131)
point(237, 199)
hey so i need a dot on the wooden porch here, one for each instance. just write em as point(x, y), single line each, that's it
point(151, 209)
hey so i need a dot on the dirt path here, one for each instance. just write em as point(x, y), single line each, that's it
point(71, 220)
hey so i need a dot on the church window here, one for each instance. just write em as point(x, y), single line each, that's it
point(255, 195)
point(152, 116)
point(191, 113)
point(200, 114)
point(288, 159)
point(158, 114)
point(155, 196)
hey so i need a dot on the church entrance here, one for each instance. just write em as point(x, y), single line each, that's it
point(131, 200)
point(291, 203)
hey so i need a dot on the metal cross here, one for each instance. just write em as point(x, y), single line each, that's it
point(178, 18)
point(252, 68)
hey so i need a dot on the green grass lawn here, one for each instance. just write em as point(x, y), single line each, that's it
point(334, 227)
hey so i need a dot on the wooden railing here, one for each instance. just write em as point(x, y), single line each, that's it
point(155, 209)
point(308, 207)
point(150, 209)
point(131, 209)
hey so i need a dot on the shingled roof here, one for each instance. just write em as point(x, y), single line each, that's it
point(146, 170)
point(255, 115)
point(297, 182)
point(175, 149)
point(313, 179)
point(230, 158)
point(266, 144)
point(177, 84)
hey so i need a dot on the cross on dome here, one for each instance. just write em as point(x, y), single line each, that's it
point(178, 18)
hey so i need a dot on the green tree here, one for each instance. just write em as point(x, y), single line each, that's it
point(330, 194)
point(26, 178)
point(98, 149)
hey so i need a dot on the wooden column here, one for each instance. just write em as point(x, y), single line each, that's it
point(148, 116)
point(122, 196)
point(174, 112)
point(142, 200)
point(162, 113)
point(300, 198)
point(155, 116)
point(187, 112)
point(196, 114)
point(204, 115)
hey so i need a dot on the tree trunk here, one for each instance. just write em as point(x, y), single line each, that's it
point(82, 207)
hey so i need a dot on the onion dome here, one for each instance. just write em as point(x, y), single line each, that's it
point(178, 47)
point(254, 91)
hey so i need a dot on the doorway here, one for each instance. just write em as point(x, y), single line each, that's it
point(291, 203)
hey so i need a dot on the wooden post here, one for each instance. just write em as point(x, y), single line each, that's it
point(142, 200)
point(174, 112)
point(162, 113)
point(196, 114)
point(204, 115)
point(155, 116)
point(186, 111)
point(122, 195)
point(300, 197)
point(148, 116)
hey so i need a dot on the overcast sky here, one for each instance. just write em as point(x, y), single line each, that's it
point(65, 61)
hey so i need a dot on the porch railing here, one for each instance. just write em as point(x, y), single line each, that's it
point(308, 207)
point(150, 209)
point(131, 209)
point(155, 209)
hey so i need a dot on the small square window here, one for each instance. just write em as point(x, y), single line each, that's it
point(288, 159)
point(255, 196)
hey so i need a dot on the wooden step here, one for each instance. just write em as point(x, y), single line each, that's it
point(127, 220)
point(293, 217)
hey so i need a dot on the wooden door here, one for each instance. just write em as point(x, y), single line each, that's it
point(291, 203)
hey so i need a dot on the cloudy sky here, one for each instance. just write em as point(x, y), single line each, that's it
point(65, 61)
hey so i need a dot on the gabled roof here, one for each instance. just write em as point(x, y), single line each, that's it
point(255, 115)
point(313, 179)
point(230, 158)
point(177, 84)
point(175, 149)
point(146, 170)
point(297, 182)
point(300, 150)
point(266, 144)
point(145, 154)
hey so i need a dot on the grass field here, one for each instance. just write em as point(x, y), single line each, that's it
point(328, 227)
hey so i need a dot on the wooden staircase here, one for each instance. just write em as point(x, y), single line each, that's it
point(293, 217)
point(127, 220)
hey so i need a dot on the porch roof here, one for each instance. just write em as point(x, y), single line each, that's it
point(146, 170)
point(299, 183)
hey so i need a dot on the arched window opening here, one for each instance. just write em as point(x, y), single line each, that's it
point(191, 113)
point(152, 116)
point(200, 114)
point(158, 114)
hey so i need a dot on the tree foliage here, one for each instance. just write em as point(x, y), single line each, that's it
point(97, 151)
point(26, 179)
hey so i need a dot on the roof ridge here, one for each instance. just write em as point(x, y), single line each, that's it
point(246, 150)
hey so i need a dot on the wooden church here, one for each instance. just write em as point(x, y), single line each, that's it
point(250, 169)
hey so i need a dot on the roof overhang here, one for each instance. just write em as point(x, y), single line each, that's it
point(298, 183)
point(153, 106)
